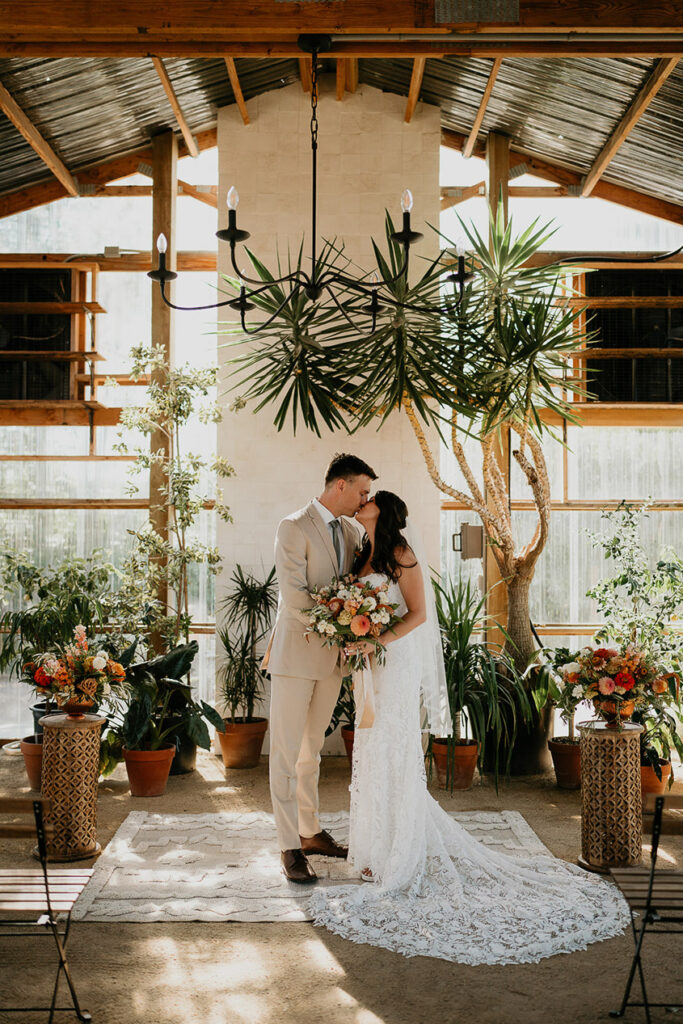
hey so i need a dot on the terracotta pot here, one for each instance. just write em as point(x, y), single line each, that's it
point(242, 742)
point(649, 783)
point(32, 749)
point(608, 710)
point(148, 770)
point(463, 761)
point(566, 755)
point(347, 732)
point(77, 708)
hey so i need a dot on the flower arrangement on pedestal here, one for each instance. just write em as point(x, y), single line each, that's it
point(616, 680)
point(73, 676)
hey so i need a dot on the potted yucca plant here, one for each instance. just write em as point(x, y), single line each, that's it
point(249, 607)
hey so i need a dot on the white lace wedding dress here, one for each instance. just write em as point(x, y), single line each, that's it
point(438, 891)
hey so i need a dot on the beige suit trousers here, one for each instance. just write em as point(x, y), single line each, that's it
point(300, 712)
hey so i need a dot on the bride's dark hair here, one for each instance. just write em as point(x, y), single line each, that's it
point(390, 544)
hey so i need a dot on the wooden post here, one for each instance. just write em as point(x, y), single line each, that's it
point(498, 165)
point(164, 191)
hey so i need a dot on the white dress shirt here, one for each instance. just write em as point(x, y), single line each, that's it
point(328, 518)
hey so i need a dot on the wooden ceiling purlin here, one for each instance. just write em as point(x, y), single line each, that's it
point(641, 101)
point(176, 20)
point(549, 171)
point(91, 174)
point(181, 120)
point(26, 127)
point(236, 88)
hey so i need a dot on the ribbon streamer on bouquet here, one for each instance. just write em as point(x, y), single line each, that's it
point(364, 695)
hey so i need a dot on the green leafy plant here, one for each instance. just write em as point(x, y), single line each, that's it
point(249, 608)
point(486, 694)
point(52, 601)
point(157, 575)
point(157, 698)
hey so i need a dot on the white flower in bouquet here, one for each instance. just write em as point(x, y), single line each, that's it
point(102, 654)
point(376, 617)
point(369, 604)
point(329, 628)
point(51, 666)
point(344, 595)
point(344, 618)
point(577, 692)
point(320, 627)
point(99, 663)
point(571, 668)
point(384, 617)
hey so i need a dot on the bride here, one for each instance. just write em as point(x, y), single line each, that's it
point(438, 891)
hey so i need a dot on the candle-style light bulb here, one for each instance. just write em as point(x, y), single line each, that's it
point(233, 198)
point(460, 247)
point(407, 200)
point(374, 280)
point(162, 244)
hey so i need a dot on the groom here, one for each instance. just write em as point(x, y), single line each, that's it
point(312, 546)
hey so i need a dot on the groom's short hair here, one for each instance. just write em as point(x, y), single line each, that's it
point(344, 467)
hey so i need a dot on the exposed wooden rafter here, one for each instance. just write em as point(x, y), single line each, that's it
point(305, 73)
point(351, 65)
point(26, 127)
point(236, 88)
point(453, 195)
point(341, 79)
point(474, 131)
point(636, 109)
point(91, 174)
point(565, 176)
point(190, 142)
point(415, 86)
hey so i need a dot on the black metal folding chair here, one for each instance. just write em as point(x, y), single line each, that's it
point(50, 893)
point(655, 899)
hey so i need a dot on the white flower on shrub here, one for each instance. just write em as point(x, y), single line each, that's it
point(98, 663)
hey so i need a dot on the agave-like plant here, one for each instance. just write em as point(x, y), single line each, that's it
point(492, 366)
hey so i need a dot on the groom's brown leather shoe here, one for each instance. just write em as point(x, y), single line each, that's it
point(296, 868)
point(324, 844)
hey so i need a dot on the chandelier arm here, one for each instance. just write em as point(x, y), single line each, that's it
point(346, 315)
point(266, 323)
point(193, 309)
point(299, 277)
point(618, 259)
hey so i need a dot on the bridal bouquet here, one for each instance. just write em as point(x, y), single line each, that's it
point(73, 674)
point(348, 610)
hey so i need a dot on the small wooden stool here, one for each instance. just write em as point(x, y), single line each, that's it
point(611, 802)
point(71, 755)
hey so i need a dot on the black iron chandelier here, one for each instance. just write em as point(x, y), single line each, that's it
point(322, 279)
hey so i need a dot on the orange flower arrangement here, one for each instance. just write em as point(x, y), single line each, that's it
point(72, 675)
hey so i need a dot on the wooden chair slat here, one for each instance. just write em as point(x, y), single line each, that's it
point(17, 831)
point(21, 804)
point(52, 873)
point(59, 906)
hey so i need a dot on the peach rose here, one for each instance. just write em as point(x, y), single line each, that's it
point(351, 606)
point(360, 625)
point(659, 685)
point(335, 606)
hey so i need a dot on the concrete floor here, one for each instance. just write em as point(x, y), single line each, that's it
point(296, 974)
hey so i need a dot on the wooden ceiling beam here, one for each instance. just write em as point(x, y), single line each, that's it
point(641, 101)
point(161, 71)
point(182, 20)
point(236, 88)
point(474, 131)
point(540, 168)
point(26, 127)
point(414, 88)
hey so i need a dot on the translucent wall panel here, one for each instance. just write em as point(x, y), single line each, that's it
point(452, 565)
point(43, 440)
point(65, 479)
point(625, 462)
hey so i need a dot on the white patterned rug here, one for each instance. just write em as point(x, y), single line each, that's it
point(225, 867)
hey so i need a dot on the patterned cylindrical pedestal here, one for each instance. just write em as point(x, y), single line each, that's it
point(71, 755)
point(611, 802)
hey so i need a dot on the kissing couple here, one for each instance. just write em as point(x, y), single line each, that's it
point(436, 891)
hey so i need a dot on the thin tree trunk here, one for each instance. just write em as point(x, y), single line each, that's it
point(520, 644)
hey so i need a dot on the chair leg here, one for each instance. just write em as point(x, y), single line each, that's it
point(635, 963)
point(82, 1015)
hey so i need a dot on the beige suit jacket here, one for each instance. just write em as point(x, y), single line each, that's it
point(304, 558)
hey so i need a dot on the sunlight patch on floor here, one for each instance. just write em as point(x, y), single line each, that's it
point(322, 958)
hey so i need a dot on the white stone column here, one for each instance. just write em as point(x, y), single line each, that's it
point(367, 155)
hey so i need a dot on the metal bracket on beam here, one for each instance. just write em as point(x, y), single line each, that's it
point(471, 541)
